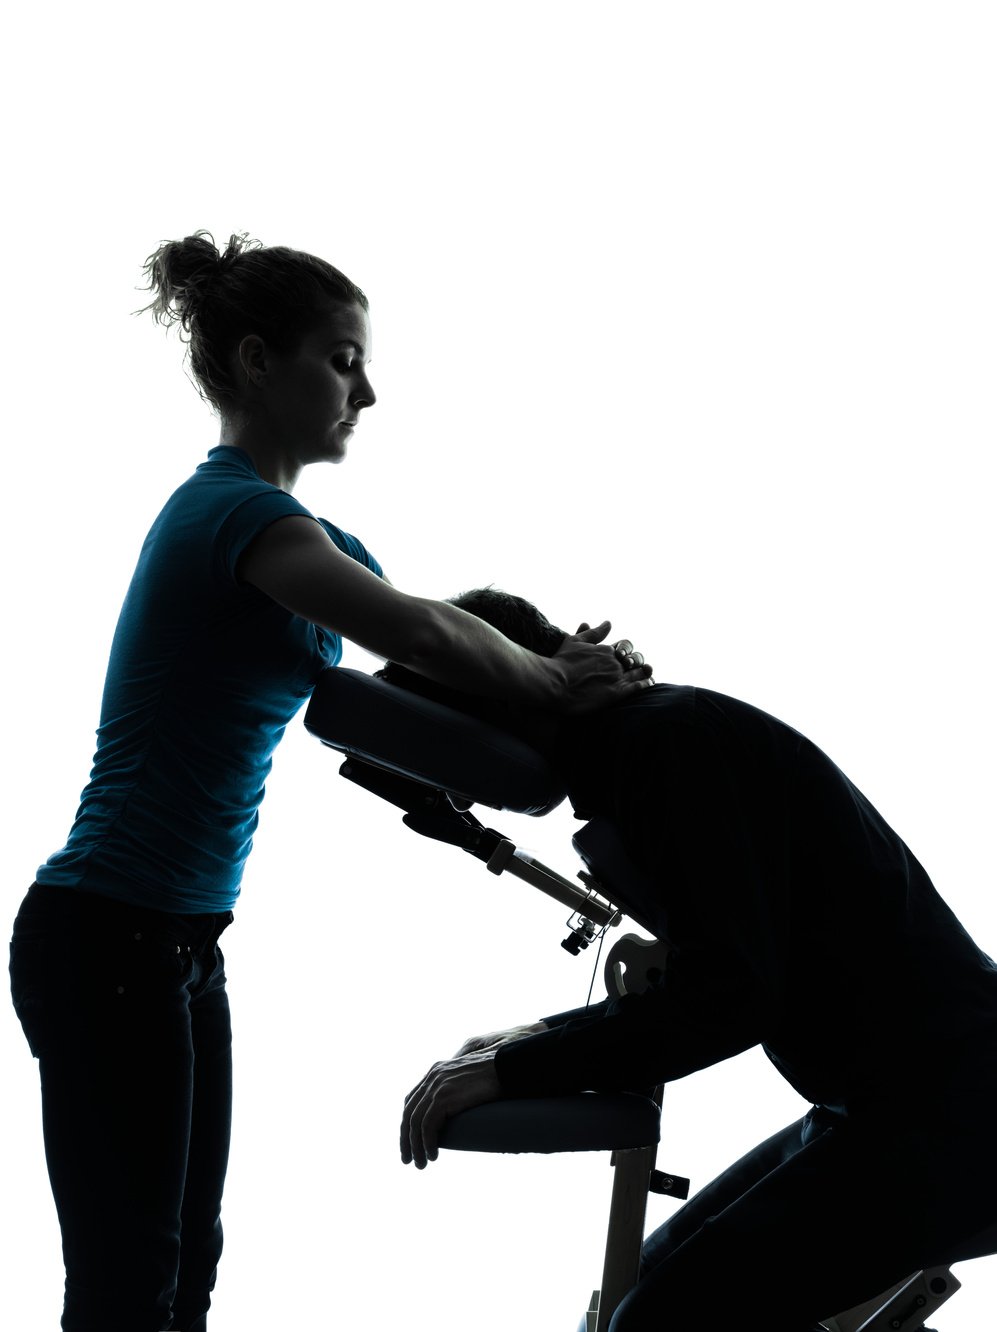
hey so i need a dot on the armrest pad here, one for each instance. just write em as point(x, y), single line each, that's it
point(417, 737)
point(582, 1122)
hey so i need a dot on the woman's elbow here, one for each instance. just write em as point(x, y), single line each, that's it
point(422, 639)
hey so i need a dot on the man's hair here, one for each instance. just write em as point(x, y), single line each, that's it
point(278, 293)
point(520, 621)
point(513, 616)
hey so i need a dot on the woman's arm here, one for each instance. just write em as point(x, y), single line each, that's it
point(294, 562)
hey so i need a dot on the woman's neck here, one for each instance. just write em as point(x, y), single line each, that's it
point(268, 458)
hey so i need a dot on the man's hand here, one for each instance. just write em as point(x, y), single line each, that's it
point(495, 1038)
point(449, 1087)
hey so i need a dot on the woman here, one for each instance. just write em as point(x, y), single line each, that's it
point(238, 602)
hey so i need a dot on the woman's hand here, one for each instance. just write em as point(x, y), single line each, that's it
point(449, 1087)
point(594, 674)
point(626, 655)
point(493, 1039)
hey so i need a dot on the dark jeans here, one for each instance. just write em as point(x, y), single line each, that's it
point(821, 1217)
point(126, 1011)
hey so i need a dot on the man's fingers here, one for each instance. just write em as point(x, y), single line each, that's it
point(404, 1136)
point(429, 1133)
point(422, 1119)
point(413, 1137)
point(411, 1134)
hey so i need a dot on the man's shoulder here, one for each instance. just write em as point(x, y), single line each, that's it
point(682, 719)
point(658, 703)
point(593, 741)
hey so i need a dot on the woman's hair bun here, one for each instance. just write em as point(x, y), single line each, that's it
point(180, 272)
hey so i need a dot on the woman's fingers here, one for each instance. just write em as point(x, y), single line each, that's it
point(594, 674)
point(593, 633)
point(626, 653)
point(628, 657)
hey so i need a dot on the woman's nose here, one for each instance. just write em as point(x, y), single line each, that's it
point(365, 395)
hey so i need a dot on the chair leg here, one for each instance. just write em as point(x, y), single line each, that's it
point(591, 1314)
point(625, 1232)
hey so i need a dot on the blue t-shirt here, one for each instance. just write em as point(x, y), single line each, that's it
point(204, 675)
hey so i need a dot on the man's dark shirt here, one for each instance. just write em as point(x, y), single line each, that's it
point(797, 918)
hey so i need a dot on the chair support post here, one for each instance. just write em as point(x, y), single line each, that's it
point(625, 1233)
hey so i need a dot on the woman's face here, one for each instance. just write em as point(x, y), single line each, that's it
point(312, 399)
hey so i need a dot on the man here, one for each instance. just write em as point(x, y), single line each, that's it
point(796, 919)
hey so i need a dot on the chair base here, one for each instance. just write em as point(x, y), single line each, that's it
point(902, 1308)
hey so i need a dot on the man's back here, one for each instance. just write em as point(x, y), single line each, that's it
point(798, 917)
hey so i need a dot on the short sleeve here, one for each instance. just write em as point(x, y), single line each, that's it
point(248, 519)
point(349, 545)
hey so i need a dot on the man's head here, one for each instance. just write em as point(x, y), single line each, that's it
point(513, 616)
point(520, 621)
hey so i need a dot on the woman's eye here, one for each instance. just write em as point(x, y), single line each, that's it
point(341, 363)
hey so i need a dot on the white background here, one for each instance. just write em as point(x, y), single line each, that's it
point(683, 316)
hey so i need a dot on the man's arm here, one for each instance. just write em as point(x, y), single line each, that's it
point(467, 1080)
point(698, 1016)
point(495, 1038)
point(627, 1044)
point(294, 562)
